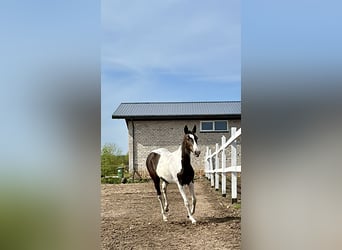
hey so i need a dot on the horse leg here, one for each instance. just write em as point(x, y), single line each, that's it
point(164, 188)
point(157, 186)
point(186, 202)
point(162, 208)
point(151, 164)
point(192, 193)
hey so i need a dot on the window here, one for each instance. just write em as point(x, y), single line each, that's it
point(207, 126)
point(213, 126)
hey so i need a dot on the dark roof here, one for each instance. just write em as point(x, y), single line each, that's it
point(178, 110)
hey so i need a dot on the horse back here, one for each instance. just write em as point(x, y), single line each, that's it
point(168, 165)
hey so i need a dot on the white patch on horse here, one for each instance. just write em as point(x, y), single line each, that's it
point(194, 146)
point(172, 160)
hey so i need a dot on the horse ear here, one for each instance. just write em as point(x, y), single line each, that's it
point(194, 129)
point(186, 130)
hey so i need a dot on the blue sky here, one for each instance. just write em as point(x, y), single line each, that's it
point(167, 51)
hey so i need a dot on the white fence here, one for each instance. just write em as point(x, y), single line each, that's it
point(213, 168)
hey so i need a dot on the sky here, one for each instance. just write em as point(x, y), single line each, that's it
point(167, 51)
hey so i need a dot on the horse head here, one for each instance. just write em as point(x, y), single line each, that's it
point(190, 140)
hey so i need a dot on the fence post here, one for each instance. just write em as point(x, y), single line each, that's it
point(211, 170)
point(233, 164)
point(217, 166)
point(223, 165)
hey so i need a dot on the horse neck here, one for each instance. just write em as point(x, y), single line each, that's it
point(185, 156)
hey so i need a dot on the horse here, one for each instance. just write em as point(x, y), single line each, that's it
point(175, 167)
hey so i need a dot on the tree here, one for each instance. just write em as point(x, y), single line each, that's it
point(110, 149)
point(111, 158)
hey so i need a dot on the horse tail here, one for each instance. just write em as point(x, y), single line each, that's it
point(151, 164)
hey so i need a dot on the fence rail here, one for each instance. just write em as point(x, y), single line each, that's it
point(213, 170)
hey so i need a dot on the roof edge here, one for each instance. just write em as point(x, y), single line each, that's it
point(178, 117)
point(177, 102)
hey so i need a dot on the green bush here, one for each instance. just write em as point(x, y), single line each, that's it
point(111, 159)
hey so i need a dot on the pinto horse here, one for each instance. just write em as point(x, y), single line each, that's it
point(175, 167)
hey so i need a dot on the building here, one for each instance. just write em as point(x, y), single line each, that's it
point(153, 125)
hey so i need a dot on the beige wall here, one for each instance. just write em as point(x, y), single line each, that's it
point(150, 135)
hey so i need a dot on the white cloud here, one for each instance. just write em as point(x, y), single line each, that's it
point(172, 34)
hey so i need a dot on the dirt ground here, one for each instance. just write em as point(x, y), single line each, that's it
point(131, 219)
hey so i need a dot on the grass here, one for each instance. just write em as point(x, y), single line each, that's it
point(117, 180)
point(237, 205)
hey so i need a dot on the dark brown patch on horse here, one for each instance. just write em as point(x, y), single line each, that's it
point(186, 175)
point(151, 164)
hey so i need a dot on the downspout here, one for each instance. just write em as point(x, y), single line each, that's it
point(135, 165)
point(133, 137)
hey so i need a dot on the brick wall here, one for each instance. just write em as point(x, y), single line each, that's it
point(150, 135)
